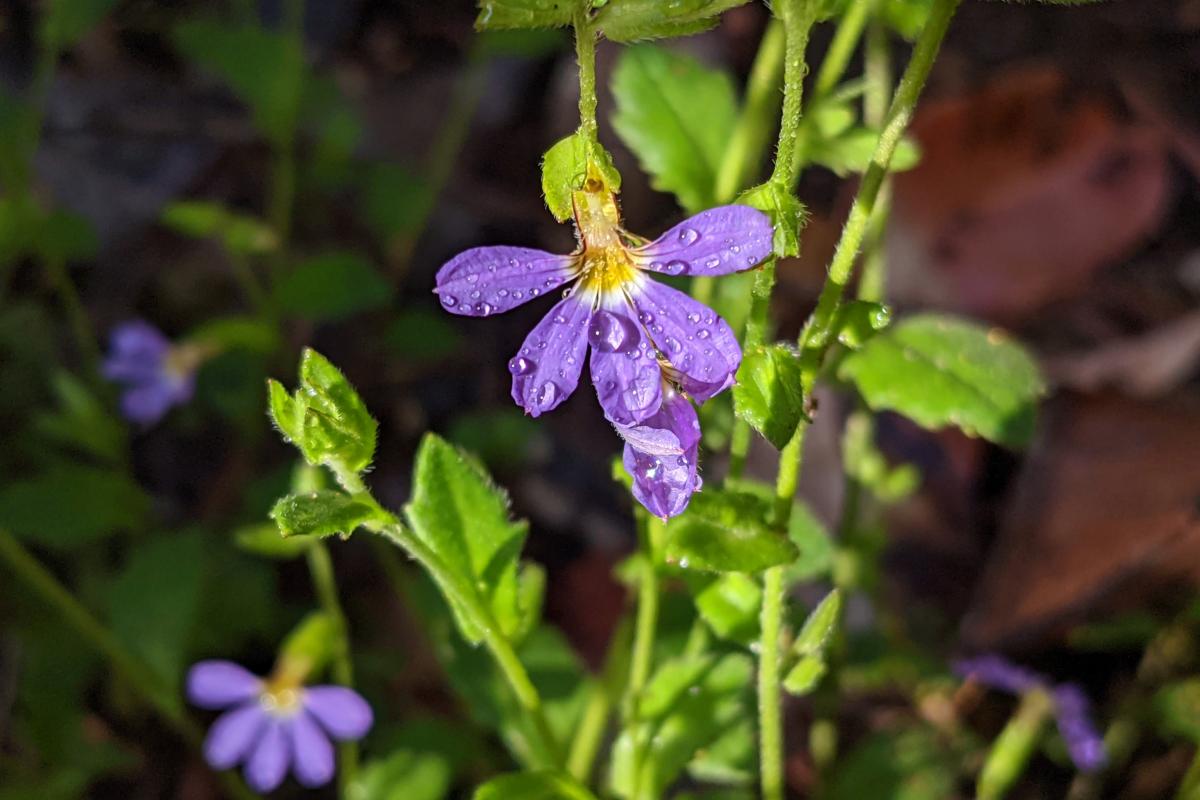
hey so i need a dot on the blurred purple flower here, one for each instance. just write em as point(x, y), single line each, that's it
point(1071, 708)
point(156, 375)
point(646, 338)
point(272, 726)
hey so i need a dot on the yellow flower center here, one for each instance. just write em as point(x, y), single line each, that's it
point(606, 270)
point(281, 692)
point(604, 264)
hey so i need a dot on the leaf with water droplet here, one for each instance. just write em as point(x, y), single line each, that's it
point(859, 320)
point(565, 168)
point(320, 513)
point(787, 213)
point(516, 14)
point(727, 531)
point(768, 392)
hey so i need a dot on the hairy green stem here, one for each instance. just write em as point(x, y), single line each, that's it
point(877, 67)
point(320, 568)
point(585, 52)
point(139, 676)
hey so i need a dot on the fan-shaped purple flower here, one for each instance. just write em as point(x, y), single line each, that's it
point(156, 375)
point(274, 725)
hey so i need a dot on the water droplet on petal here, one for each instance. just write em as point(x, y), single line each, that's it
point(522, 366)
point(483, 309)
point(534, 292)
point(612, 333)
point(547, 394)
point(646, 317)
point(735, 249)
point(688, 236)
point(502, 293)
point(448, 301)
point(693, 318)
point(676, 267)
point(472, 278)
point(702, 334)
point(713, 262)
point(475, 295)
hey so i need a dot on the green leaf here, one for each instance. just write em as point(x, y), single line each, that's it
point(394, 201)
point(864, 462)
point(730, 606)
point(501, 14)
point(236, 333)
point(821, 622)
point(322, 513)
point(566, 167)
point(804, 530)
point(910, 764)
point(264, 540)
point(69, 506)
point(332, 287)
point(730, 760)
point(852, 152)
point(803, 678)
point(81, 421)
point(640, 20)
point(404, 775)
point(938, 371)
point(463, 518)
point(725, 531)
point(67, 21)
point(859, 320)
point(768, 392)
point(64, 237)
point(1178, 708)
point(676, 115)
point(784, 209)
point(669, 683)
point(539, 785)
point(240, 233)
point(264, 68)
point(311, 645)
point(153, 601)
point(421, 336)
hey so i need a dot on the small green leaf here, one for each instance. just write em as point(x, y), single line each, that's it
point(463, 518)
point(853, 150)
point(287, 412)
point(539, 785)
point(332, 287)
point(859, 320)
point(784, 209)
point(566, 168)
point(864, 462)
point(202, 219)
point(730, 606)
point(322, 513)
point(310, 645)
point(768, 394)
point(658, 94)
point(81, 421)
point(669, 683)
point(501, 14)
point(264, 540)
point(531, 595)
point(938, 371)
point(802, 678)
point(336, 427)
point(814, 636)
point(236, 333)
point(68, 506)
point(641, 20)
point(724, 531)
point(404, 774)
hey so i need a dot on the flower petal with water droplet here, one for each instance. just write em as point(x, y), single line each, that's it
point(491, 280)
point(546, 369)
point(714, 242)
point(664, 482)
point(628, 383)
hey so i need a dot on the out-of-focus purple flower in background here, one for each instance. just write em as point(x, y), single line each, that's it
point(273, 725)
point(1072, 710)
point(155, 374)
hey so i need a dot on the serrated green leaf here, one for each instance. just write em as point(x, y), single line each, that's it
point(501, 14)
point(264, 540)
point(730, 606)
point(724, 531)
point(539, 785)
point(786, 212)
point(821, 622)
point(768, 393)
point(332, 287)
point(404, 774)
point(152, 602)
point(939, 370)
point(531, 594)
point(659, 95)
point(859, 320)
point(286, 411)
point(642, 20)
point(322, 513)
point(335, 427)
point(463, 518)
point(69, 506)
point(804, 530)
point(803, 678)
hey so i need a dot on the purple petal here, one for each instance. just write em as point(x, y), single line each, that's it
point(700, 345)
point(999, 673)
point(546, 369)
point(625, 370)
point(312, 754)
point(233, 735)
point(664, 482)
point(268, 763)
point(220, 684)
point(490, 280)
point(146, 404)
point(136, 352)
point(341, 711)
point(1084, 743)
point(714, 242)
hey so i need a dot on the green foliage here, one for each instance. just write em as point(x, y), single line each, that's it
point(404, 775)
point(676, 115)
point(566, 167)
point(939, 370)
point(154, 599)
point(311, 645)
point(503, 438)
point(264, 540)
point(332, 287)
point(462, 517)
point(240, 233)
point(864, 463)
point(81, 421)
point(909, 764)
point(72, 505)
point(502, 14)
point(805, 531)
point(639, 20)
point(836, 142)
point(63, 236)
point(394, 200)
point(66, 21)
point(811, 644)
point(859, 320)
point(729, 605)
point(1177, 706)
point(325, 417)
point(236, 333)
point(726, 531)
point(422, 336)
point(539, 785)
point(785, 210)
point(321, 513)
point(768, 392)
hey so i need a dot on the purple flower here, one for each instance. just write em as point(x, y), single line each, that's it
point(650, 344)
point(156, 375)
point(1071, 708)
point(272, 725)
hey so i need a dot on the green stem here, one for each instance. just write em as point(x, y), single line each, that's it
point(282, 198)
point(818, 333)
point(585, 746)
point(1189, 787)
point(872, 285)
point(320, 568)
point(135, 673)
point(81, 326)
point(647, 617)
point(1010, 753)
point(585, 52)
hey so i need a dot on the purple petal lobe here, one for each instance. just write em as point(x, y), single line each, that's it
point(268, 763)
point(999, 673)
point(491, 280)
point(663, 481)
point(629, 381)
point(136, 352)
point(714, 242)
point(234, 735)
point(341, 711)
point(546, 369)
point(312, 754)
point(1084, 743)
point(612, 333)
point(699, 345)
point(220, 684)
